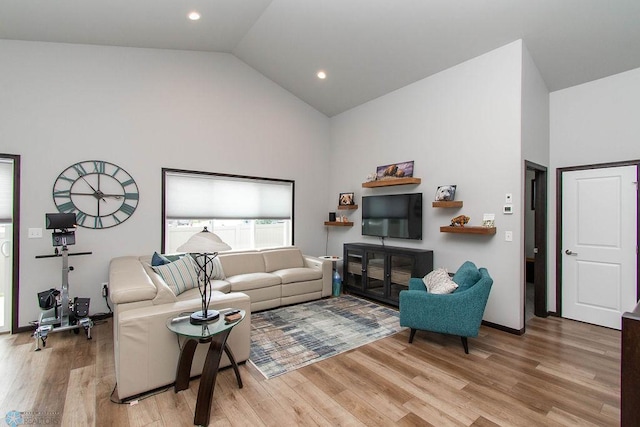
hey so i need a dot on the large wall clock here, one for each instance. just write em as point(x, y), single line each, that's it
point(101, 194)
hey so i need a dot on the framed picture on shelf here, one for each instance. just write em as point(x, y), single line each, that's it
point(346, 199)
point(445, 193)
point(395, 170)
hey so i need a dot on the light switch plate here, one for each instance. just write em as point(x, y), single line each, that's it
point(35, 233)
point(508, 236)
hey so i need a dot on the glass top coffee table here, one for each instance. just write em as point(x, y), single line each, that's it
point(216, 334)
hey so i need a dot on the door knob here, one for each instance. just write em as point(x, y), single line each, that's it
point(570, 252)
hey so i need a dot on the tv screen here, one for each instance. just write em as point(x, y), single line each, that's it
point(397, 215)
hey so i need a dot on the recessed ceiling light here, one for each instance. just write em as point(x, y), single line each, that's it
point(194, 16)
point(322, 75)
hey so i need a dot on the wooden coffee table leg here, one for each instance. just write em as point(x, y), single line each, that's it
point(232, 359)
point(208, 378)
point(184, 365)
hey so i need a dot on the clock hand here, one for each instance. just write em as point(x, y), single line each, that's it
point(91, 186)
point(96, 193)
point(115, 196)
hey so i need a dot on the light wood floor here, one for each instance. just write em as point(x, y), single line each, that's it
point(560, 372)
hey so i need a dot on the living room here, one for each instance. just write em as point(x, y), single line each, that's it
point(473, 125)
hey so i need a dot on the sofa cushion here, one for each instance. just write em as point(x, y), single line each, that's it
point(439, 282)
point(162, 259)
point(243, 282)
point(280, 259)
point(292, 275)
point(164, 294)
point(241, 263)
point(179, 275)
point(159, 259)
point(466, 276)
point(128, 282)
point(216, 271)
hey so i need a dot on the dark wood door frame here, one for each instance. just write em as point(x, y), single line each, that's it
point(559, 229)
point(540, 238)
point(15, 249)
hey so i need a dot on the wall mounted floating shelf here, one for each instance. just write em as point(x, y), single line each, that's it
point(390, 182)
point(468, 230)
point(338, 223)
point(347, 207)
point(447, 204)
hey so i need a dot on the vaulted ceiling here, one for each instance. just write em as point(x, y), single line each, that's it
point(366, 47)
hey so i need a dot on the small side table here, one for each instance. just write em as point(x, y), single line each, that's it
point(215, 333)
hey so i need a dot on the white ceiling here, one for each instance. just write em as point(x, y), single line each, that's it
point(367, 47)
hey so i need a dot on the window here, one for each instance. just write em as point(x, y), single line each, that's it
point(246, 212)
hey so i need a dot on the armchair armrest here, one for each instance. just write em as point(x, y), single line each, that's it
point(416, 284)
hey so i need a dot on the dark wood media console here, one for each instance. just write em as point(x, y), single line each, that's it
point(381, 272)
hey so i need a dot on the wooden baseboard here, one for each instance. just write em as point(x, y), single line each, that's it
point(503, 328)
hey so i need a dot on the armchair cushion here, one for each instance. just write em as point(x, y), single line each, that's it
point(439, 282)
point(466, 276)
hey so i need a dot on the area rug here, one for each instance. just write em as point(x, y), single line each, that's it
point(288, 338)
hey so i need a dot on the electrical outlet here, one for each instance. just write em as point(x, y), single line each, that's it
point(105, 290)
point(508, 236)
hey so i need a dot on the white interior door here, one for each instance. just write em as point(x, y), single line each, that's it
point(599, 211)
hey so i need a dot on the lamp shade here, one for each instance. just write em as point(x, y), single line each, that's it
point(204, 242)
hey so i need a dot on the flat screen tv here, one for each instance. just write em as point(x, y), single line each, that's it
point(397, 215)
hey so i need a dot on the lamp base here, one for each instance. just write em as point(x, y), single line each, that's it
point(198, 318)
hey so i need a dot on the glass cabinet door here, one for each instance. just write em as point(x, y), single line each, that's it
point(353, 269)
point(400, 269)
point(375, 268)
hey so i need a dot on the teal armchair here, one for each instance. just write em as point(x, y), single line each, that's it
point(459, 313)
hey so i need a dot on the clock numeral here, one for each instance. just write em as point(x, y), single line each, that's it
point(62, 193)
point(80, 169)
point(116, 219)
point(131, 196)
point(98, 166)
point(66, 207)
point(127, 209)
point(115, 172)
point(67, 178)
point(80, 217)
point(128, 182)
point(98, 222)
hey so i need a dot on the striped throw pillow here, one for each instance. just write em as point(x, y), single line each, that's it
point(211, 263)
point(179, 275)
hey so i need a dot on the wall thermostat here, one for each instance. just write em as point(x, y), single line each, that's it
point(507, 209)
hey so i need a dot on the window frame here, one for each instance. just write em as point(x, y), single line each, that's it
point(166, 171)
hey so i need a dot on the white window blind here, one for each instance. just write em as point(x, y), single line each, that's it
point(203, 196)
point(6, 192)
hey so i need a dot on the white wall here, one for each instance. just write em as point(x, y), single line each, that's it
point(535, 113)
point(535, 147)
point(596, 122)
point(145, 109)
point(461, 126)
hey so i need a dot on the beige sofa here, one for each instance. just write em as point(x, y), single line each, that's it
point(146, 352)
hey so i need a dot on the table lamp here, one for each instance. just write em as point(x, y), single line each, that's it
point(203, 247)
